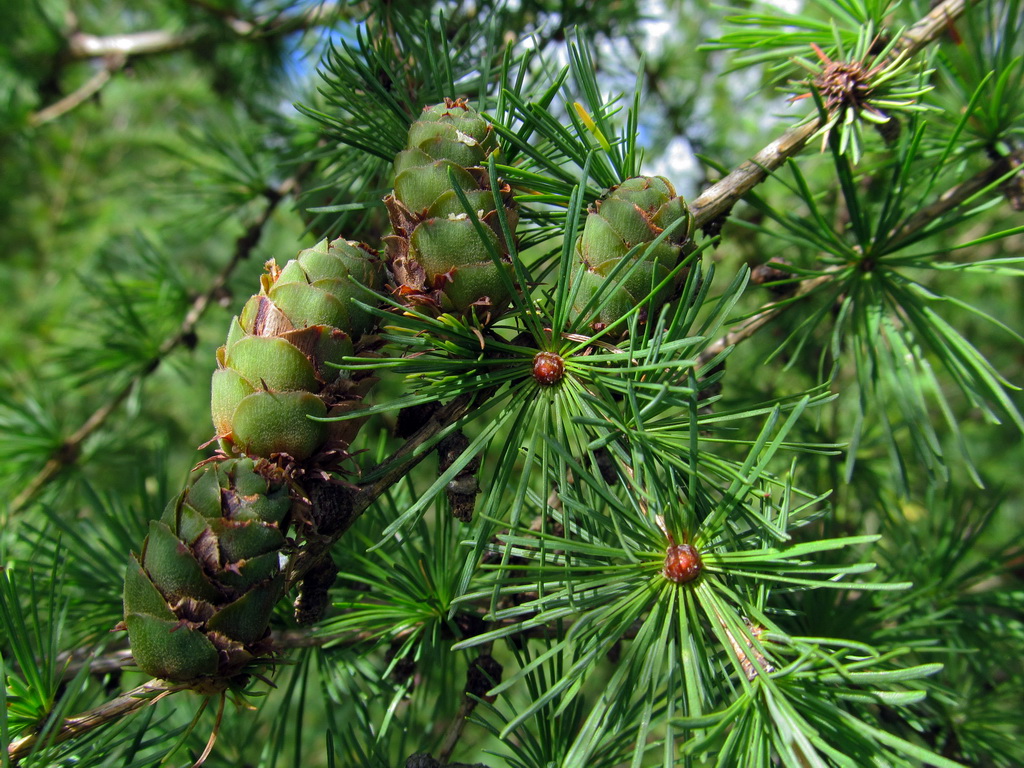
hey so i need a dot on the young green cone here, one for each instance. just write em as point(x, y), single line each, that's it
point(273, 371)
point(439, 260)
point(198, 599)
point(632, 214)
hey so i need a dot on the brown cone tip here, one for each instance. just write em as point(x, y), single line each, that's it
point(548, 368)
point(682, 563)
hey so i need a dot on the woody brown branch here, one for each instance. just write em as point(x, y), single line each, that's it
point(951, 199)
point(109, 712)
point(88, 89)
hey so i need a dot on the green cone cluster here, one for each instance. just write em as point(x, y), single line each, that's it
point(273, 371)
point(633, 213)
point(197, 601)
point(439, 261)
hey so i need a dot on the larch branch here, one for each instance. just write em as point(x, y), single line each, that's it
point(718, 199)
point(106, 713)
point(948, 201)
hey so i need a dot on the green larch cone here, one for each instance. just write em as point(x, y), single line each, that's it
point(272, 372)
point(633, 213)
point(438, 259)
point(198, 599)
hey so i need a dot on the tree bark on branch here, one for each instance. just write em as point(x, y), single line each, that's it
point(83, 45)
point(113, 62)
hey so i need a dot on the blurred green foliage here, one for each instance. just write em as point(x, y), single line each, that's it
point(247, 135)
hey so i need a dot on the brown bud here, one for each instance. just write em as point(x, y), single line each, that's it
point(606, 465)
point(713, 228)
point(313, 592)
point(462, 492)
point(463, 488)
point(682, 563)
point(889, 130)
point(450, 448)
point(548, 368)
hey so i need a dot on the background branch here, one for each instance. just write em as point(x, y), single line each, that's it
point(113, 62)
point(70, 449)
point(83, 45)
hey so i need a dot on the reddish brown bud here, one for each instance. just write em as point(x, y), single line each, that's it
point(548, 368)
point(682, 563)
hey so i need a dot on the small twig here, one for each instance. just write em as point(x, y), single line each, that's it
point(115, 709)
point(483, 674)
point(113, 62)
point(82, 45)
point(455, 728)
point(111, 661)
point(931, 26)
point(949, 200)
point(718, 199)
point(70, 449)
point(767, 313)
